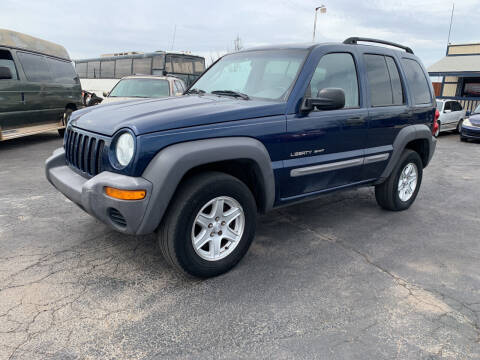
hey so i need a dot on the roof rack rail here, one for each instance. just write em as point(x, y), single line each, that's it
point(354, 40)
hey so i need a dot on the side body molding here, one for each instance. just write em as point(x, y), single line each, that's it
point(407, 134)
point(167, 168)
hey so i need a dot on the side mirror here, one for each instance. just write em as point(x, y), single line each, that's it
point(5, 73)
point(468, 113)
point(106, 93)
point(327, 99)
point(447, 111)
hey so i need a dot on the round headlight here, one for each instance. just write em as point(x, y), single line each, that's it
point(124, 149)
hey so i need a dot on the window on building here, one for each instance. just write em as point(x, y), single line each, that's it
point(198, 66)
point(6, 60)
point(335, 71)
point(158, 62)
point(123, 67)
point(81, 69)
point(107, 69)
point(417, 82)
point(471, 87)
point(142, 66)
point(35, 67)
point(93, 70)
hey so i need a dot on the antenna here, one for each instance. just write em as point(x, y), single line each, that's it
point(451, 20)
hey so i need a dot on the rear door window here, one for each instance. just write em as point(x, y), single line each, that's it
point(417, 82)
point(384, 84)
point(397, 90)
point(35, 67)
point(448, 106)
point(6, 60)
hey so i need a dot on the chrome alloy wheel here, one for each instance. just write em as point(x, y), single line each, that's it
point(407, 182)
point(218, 228)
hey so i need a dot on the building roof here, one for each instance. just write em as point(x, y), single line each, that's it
point(18, 40)
point(455, 65)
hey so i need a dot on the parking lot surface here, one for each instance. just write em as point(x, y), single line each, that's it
point(334, 278)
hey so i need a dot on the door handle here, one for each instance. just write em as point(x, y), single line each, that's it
point(357, 120)
point(23, 98)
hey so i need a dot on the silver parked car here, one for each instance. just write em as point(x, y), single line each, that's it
point(144, 86)
point(451, 117)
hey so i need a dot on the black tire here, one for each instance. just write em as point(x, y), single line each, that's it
point(463, 138)
point(459, 126)
point(387, 194)
point(66, 118)
point(174, 233)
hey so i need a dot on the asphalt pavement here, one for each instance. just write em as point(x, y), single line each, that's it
point(334, 278)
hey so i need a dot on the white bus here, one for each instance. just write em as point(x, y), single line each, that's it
point(99, 75)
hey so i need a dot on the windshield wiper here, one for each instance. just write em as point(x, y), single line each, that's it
point(231, 93)
point(195, 91)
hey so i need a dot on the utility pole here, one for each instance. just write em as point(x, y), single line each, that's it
point(238, 43)
point(451, 21)
point(323, 10)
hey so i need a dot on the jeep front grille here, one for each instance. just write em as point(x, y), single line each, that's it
point(84, 152)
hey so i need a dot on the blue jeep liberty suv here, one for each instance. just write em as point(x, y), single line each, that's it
point(261, 128)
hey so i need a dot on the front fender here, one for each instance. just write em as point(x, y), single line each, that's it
point(167, 168)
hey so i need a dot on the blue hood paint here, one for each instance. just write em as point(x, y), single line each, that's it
point(151, 115)
point(475, 119)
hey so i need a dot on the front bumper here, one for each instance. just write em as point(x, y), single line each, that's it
point(470, 132)
point(123, 215)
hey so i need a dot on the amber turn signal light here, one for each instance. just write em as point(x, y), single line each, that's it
point(125, 194)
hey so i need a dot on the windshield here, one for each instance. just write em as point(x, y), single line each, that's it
point(145, 88)
point(257, 74)
point(477, 110)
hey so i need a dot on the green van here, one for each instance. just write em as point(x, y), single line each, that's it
point(39, 87)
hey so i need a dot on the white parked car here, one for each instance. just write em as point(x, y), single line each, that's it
point(144, 86)
point(451, 117)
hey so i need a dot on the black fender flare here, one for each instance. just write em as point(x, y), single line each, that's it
point(406, 135)
point(167, 168)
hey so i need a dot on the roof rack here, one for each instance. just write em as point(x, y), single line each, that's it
point(354, 40)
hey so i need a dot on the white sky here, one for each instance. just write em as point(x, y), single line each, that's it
point(90, 28)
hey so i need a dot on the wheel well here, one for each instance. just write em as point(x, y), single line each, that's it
point(421, 146)
point(71, 106)
point(245, 170)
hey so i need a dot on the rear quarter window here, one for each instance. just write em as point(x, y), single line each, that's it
point(417, 82)
point(62, 71)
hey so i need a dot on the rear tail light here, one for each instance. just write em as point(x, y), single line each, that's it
point(435, 122)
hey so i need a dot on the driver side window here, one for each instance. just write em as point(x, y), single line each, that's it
point(6, 60)
point(336, 70)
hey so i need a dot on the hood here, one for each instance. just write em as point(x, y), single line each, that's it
point(150, 115)
point(475, 119)
point(112, 99)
